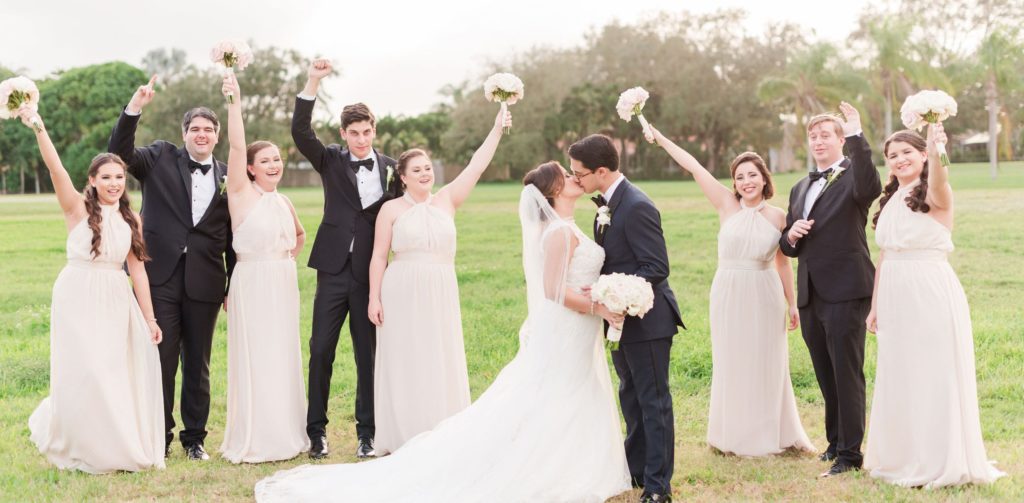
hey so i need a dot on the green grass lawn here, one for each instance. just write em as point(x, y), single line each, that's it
point(989, 237)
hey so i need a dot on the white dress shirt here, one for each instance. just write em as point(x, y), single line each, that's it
point(368, 183)
point(611, 190)
point(203, 188)
point(814, 190)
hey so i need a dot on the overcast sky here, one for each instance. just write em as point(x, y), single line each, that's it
point(394, 55)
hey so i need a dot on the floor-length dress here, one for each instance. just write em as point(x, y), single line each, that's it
point(105, 409)
point(266, 416)
point(925, 428)
point(420, 371)
point(753, 410)
point(547, 430)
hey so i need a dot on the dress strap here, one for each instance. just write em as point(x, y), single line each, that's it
point(759, 207)
point(408, 198)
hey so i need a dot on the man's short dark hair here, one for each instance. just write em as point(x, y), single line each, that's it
point(595, 151)
point(203, 112)
point(356, 113)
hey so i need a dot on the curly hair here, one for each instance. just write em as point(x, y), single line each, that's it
point(916, 200)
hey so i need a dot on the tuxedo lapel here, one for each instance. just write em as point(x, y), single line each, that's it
point(382, 170)
point(801, 197)
point(346, 159)
point(186, 175)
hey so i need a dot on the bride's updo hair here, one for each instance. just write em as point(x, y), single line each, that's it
point(549, 178)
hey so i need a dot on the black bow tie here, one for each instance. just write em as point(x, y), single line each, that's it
point(193, 166)
point(599, 200)
point(816, 175)
point(365, 163)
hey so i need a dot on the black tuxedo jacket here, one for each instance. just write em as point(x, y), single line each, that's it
point(834, 255)
point(634, 244)
point(162, 169)
point(344, 217)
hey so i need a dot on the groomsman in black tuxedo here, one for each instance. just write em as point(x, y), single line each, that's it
point(188, 234)
point(634, 243)
point(828, 211)
point(354, 180)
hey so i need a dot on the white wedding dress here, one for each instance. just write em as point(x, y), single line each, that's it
point(547, 430)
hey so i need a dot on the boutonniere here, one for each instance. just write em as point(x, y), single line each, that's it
point(604, 217)
point(832, 177)
point(222, 186)
point(390, 176)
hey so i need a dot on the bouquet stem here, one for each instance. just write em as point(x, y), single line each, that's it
point(36, 125)
point(614, 334)
point(943, 156)
point(504, 112)
point(646, 127)
point(229, 70)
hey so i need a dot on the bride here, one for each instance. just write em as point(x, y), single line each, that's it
point(547, 429)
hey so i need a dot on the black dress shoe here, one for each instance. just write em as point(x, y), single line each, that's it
point(647, 497)
point(365, 449)
point(838, 468)
point(827, 456)
point(196, 452)
point(318, 448)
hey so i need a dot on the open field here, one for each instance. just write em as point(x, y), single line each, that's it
point(989, 236)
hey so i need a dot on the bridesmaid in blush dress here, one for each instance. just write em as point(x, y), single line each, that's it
point(105, 409)
point(420, 371)
point(753, 410)
point(925, 428)
point(266, 419)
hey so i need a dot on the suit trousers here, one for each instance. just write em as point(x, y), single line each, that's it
point(337, 295)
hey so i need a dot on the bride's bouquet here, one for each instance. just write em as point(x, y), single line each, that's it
point(928, 107)
point(631, 102)
point(231, 53)
point(504, 88)
point(16, 92)
point(622, 293)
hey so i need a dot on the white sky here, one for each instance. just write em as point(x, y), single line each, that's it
point(394, 55)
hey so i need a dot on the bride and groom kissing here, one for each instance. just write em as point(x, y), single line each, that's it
point(551, 407)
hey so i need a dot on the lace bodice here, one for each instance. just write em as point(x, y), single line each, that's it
point(586, 263)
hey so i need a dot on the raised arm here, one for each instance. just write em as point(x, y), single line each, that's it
point(237, 179)
point(867, 185)
point(458, 190)
point(940, 193)
point(302, 119)
point(70, 200)
point(122, 139)
point(718, 194)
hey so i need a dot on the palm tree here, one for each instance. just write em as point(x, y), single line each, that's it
point(812, 82)
point(998, 59)
point(897, 67)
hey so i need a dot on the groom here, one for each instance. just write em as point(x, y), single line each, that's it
point(634, 244)
point(188, 235)
point(354, 181)
point(825, 229)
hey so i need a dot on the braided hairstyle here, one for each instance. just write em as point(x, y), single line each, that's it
point(95, 215)
point(916, 200)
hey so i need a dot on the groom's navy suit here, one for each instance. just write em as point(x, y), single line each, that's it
point(835, 279)
point(634, 244)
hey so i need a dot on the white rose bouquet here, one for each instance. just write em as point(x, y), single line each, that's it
point(231, 53)
point(15, 93)
point(631, 102)
point(622, 293)
point(504, 88)
point(928, 107)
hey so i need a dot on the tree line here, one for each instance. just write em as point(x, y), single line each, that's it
point(717, 88)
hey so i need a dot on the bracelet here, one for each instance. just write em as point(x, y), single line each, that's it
point(151, 319)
